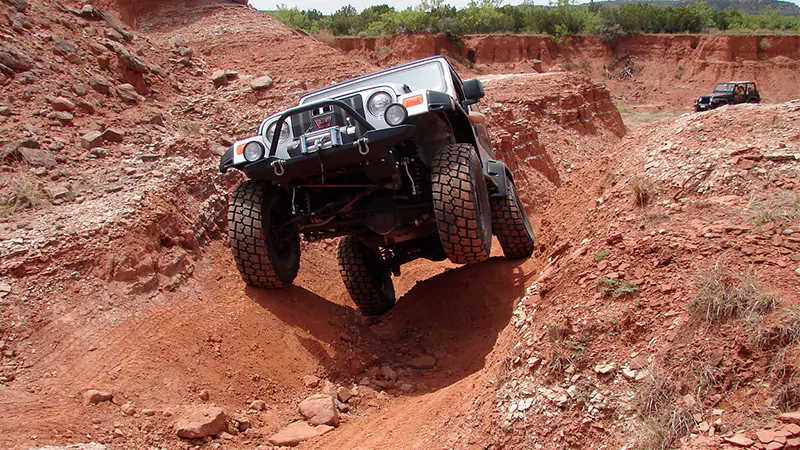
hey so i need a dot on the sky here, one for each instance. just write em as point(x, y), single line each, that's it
point(329, 6)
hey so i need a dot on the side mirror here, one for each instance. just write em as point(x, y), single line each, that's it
point(473, 91)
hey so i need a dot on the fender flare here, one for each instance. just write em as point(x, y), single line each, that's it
point(498, 175)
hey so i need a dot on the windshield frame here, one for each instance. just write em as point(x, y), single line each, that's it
point(365, 82)
point(727, 88)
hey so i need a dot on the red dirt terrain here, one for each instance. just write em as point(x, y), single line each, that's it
point(659, 308)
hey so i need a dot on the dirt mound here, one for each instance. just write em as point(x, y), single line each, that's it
point(621, 341)
point(668, 71)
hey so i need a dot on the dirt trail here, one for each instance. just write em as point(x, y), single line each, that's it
point(133, 290)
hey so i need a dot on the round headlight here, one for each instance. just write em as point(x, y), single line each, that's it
point(253, 151)
point(284, 132)
point(395, 114)
point(378, 103)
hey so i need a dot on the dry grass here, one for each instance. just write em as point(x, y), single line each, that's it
point(722, 294)
point(782, 205)
point(21, 191)
point(642, 192)
point(784, 332)
point(663, 422)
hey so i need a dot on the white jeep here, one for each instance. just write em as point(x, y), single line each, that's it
point(398, 162)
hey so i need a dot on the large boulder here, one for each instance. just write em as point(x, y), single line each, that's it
point(201, 421)
point(14, 58)
point(320, 409)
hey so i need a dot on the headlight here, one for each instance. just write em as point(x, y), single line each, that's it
point(253, 151)
point(284, 132)
point(378, 103)
point(395, 114)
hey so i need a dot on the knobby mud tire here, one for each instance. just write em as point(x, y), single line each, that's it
point(367, 279)
point(511, 225)
point(266, 256)
point(461, 204)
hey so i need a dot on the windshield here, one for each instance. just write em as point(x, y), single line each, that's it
point(723, 87)
point(427, 76)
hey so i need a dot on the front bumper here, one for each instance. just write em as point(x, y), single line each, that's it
point(373, 145)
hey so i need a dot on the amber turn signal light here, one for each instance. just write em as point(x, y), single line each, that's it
point(412, 101)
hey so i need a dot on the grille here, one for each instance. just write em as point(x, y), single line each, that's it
point(329, 116)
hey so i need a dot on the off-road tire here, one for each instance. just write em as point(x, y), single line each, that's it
point(461, 204)
point(267, 257)
point(367, 279)
point(511, 225)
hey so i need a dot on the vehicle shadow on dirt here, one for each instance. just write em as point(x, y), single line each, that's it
point(455, 317)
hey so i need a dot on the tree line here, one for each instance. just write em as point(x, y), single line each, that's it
point(562, 19)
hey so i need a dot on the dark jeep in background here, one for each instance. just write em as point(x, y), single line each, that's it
point(731, 93)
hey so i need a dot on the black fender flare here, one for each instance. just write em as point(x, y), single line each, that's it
point(455, 115)
point(498, 175)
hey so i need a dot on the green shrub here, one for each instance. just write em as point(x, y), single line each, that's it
point(563, 19)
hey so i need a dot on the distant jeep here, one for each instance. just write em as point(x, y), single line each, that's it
point(731, 93)
point(398, 163)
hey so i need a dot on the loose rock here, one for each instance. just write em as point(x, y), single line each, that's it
point(128, 409)
point(293, 434)
point(100, 85)
point(219, 78)
point(605, 369)
point(62, 104)
point(319, 409)
point(739, 440)
point(15, 58)
point(258, 405)
point(128, 93)
point(37, 157)
point(261, 83)
point(94, 396)
point(92, 139)
point(309, 381)
point(201, 421)
point(343, 394)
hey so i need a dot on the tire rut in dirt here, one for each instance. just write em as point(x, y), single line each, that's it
point(511, 225)
point(368, 282)
point(461, 204)
point(266, 256)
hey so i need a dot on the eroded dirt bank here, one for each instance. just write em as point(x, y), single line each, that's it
point(669, 70)
point(120, 280)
